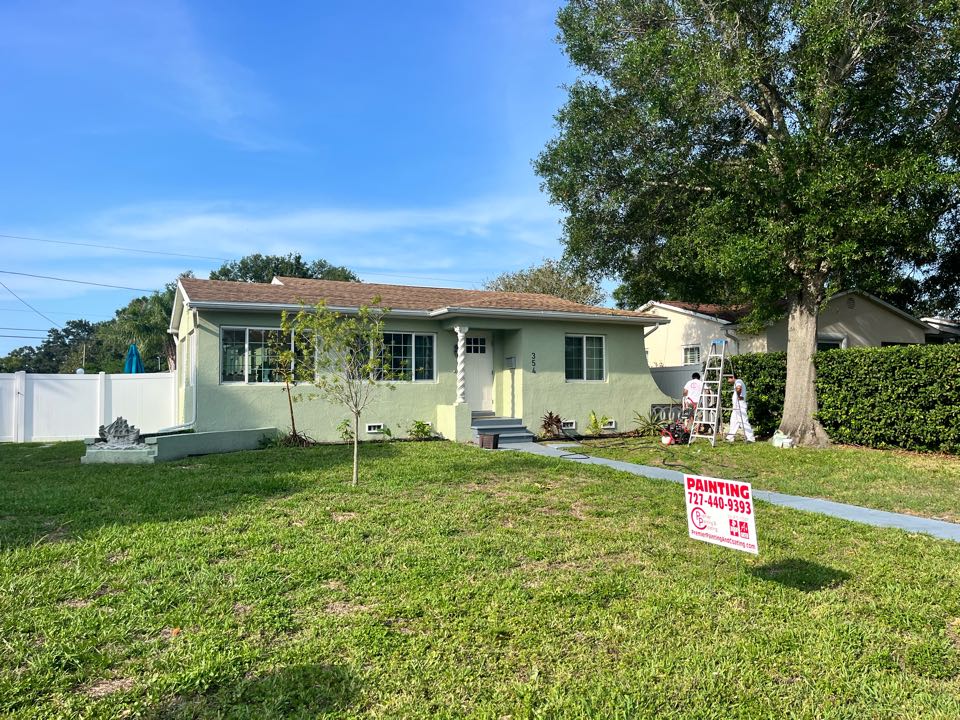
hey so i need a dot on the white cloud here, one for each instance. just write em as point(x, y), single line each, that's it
point(463, 244)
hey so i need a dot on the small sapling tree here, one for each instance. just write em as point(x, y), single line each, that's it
point(352, 366)
point(295, 352)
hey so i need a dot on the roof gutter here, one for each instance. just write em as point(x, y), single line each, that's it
point(275, 307)
point(444, 312)
point(549, 315)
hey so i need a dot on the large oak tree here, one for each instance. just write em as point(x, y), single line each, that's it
point(774, 151)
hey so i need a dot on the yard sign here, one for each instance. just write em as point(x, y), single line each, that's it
point(721, 512)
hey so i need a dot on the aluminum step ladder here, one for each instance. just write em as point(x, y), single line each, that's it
point(708, 417)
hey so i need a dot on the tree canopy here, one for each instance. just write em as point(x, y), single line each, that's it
point(259, 268)
point(763, 151)
point(551, 277)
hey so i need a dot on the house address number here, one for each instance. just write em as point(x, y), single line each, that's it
point(533, 363)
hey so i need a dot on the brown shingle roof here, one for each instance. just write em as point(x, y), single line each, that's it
point(730, 313)
point(292, 291)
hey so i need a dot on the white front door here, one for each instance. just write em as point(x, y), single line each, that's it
point(479, 372)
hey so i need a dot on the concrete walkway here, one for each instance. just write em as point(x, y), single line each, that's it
point(854, 513)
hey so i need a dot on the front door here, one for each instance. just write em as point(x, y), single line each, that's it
point(479, 372)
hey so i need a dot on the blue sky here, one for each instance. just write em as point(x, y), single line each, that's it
point(394, 138)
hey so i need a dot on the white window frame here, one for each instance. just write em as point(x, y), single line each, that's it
point(603, 347)
point(609, 425)
point(832, 338)
point(568, 424)
point(413, 346)
point(683, 355)
point(246, 350)
point(375, 428)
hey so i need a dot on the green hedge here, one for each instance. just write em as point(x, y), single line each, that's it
point(906, 397)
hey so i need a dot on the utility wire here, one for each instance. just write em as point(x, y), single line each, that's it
point(24, 329)
point(120, 248)
point(113, 247)
point(52, 322)
point(26, 337)
point(79, 282)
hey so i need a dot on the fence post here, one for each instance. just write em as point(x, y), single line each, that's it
point(19, 406)
point(102, 399)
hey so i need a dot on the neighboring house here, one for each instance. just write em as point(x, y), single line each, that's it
point(475, 354)
point(942, 330)
point(850, 319)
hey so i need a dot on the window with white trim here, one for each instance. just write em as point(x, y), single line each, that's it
point(691, 354)
point(584, 357)
point(250, 355)
point(410, 357)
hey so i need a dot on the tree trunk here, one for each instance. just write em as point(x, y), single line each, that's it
point(800, 399)
point(170, 350)
point(293, 422)
point(356, 448)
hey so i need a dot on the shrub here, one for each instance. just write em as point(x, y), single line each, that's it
point(596, 422)
point(551, 424)
point(904, 397)
point(420, 430)
point(648, 425)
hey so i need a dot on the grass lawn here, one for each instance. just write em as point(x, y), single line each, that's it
point(451, 582)
point(913, 483)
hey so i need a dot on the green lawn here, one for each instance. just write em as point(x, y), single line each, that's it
point(451, 582)
point(913, 483)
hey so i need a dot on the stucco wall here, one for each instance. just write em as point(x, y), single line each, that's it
point(858, 320)
point(665, 344)
point(628, 386)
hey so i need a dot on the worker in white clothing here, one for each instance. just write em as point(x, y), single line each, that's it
point(691, 398)
point(738, 415)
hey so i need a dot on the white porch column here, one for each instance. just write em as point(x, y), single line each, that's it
point(461, 364)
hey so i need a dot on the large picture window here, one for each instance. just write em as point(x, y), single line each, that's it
point(584, 357)
point(250, 354)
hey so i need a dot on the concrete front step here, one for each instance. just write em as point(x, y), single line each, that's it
point(493, 421)
point(510, 430)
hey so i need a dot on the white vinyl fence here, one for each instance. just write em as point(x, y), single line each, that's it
point(72, 407)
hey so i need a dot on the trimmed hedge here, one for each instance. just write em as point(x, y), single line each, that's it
point(894, 397)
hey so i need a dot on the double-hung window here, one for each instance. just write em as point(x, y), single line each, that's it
point(409, 357)
point(584, 357)
point(691, 355)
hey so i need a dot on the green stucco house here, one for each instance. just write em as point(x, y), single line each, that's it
point(480, 359)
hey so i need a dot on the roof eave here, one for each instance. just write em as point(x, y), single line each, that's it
point(549, 315)
point(684, 311)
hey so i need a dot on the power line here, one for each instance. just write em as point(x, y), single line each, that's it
point(53, 322)
point(113, 247)
point(25, 329)
point(79, 282)
point(56, 312)
point(26, 337)
point(120, 248)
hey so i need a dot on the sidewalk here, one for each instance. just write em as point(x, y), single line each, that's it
point(854, 513)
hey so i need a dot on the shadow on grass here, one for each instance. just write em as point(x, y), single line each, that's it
point(801, 574)
point(306, 691)
point(49, 497)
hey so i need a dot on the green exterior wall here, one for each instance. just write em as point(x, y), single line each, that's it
point(628, 387)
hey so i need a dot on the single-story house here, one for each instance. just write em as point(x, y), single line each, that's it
point(503, 358)
point(849, 319)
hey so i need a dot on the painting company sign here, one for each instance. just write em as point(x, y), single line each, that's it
point(721, 512)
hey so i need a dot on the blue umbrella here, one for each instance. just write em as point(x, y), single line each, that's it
point(133, 363)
